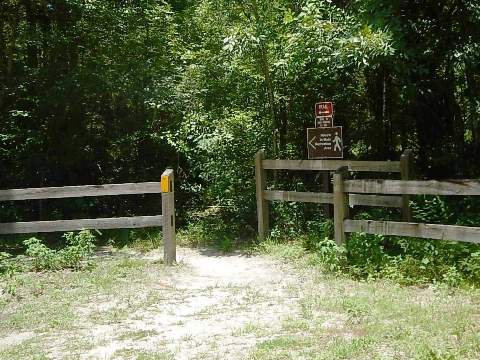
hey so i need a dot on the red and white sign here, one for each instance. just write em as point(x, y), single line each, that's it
point(323, 109)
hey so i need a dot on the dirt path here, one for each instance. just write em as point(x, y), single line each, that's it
point(216, 306)
point(212, 306)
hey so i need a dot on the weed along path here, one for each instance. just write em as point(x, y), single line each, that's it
point(229, 306)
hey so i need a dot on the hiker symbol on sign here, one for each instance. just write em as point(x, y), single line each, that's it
point(324, 143)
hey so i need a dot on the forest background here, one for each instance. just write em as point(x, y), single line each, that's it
point(96, 92)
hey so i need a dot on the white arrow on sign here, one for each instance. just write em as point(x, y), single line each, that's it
point(314, 144)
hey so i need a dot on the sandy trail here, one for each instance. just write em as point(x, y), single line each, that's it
point(213, 306)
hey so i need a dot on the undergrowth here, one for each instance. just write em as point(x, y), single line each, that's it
point(4, 266)
point(142, 240)
point(407, 261)
point(210, 229)
point(79, 246)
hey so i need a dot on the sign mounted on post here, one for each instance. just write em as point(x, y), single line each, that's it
point(324, 121)
point(324, 143)
point(323, 109)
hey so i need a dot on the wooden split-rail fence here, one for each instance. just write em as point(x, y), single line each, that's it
point(374, 192)
point(166, 220)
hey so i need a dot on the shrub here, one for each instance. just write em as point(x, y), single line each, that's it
point(330, 256)
point(289, 220)
point(79, 246)
point(318, 233)
point(471, 267)
point(3, 264)
point(219, 150)
point(209, 230)
point(405, 260)
point(43, 257)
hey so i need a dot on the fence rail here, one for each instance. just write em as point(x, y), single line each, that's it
point(166, 220)
point(427, 231)
point(307, 197)
point(431, 187)
point(80, 224)
point(343, 189)
point(264, 196)
point(332, 165)
point(373, 192)
point(327, 198)
point(79, 191)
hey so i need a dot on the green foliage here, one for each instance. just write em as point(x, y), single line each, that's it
point(248, 82)
point(3, 264)
point(314, 236)
point(107, 91)
point(366, 253)
point(289, 220)
point(209, 230)
point(330, 256)
point(86, 88)
point(470, 266)
point(145, 240)
point(318, 233)
point(413, 261)
point(282, 249)
point(226, 244)
point(79, 247)
point(142, 240)
point(220, 153)
point(43, 257)
point(432, 209)
point(404, 260)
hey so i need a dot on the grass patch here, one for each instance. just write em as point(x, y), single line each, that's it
point(137, 335)
point(343, 318)
point(143, 355)
point(68, 301)
point(250, 328)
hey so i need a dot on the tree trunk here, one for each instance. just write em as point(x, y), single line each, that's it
point(268, 83)
point(473, 91)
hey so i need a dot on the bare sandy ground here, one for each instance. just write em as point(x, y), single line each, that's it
point(211, 306)
point(228, 306)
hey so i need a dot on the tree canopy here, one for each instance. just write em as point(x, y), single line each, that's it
point(111, 91)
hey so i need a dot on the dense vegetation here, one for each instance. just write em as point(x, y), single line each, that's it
point(114, 91)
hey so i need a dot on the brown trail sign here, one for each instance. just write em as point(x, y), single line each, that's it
point(325, 143)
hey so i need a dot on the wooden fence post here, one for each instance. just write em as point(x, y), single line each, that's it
point(340, 203)
point(405, 174)
point(262, 204)
point(326, 187)
point(168, 212)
